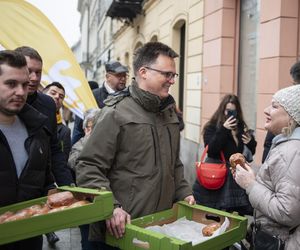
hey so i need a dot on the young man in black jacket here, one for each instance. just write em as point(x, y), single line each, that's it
point(57, 92)
point(24, 143)
point(46, 106)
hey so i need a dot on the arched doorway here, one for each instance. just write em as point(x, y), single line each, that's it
point(179, 42)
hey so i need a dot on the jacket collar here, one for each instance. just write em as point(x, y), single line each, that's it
point(102, 88)
point(32, 118)
point(281, 138)
point(149, 101)
point(31, 98)
point(108, 89)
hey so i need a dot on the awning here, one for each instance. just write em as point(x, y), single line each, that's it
point(125, 9)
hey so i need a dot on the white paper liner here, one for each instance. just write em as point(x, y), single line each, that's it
point(186, 230)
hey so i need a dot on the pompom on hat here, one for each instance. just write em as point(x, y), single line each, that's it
point(289, 99)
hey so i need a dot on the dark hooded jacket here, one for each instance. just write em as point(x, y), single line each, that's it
point(46, 106)
point(36, 178)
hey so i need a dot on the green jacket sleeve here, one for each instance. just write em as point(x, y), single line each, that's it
point(98, 154)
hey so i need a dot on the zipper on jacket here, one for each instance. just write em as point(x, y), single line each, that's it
point(153, 137)
point(27, 146)
point(170, 140)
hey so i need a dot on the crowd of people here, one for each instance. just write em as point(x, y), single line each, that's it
point(135, 144)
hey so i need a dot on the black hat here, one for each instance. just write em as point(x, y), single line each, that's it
point(115, 67)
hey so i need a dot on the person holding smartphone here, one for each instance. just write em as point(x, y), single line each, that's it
point(226, 132)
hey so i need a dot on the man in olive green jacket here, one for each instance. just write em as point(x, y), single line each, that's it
point(134, 148)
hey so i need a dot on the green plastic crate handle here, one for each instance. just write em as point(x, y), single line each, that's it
point(141, 244)
point(147, 239)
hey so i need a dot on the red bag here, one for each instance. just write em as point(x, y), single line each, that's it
point(211, 175)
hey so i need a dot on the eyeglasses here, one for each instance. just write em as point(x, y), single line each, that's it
point(167, 74)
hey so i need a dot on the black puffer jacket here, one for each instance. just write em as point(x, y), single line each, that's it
point(64, 139)
point(36, 178)
point(46, 106)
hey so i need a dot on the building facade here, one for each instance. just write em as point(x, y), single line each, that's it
point(96, 44)
point(245, 47)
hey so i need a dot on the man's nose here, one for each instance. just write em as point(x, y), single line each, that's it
point(172, 80)
point(21, 90)
point(33, 76)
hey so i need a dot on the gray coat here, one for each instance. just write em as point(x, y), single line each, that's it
point(275, 195)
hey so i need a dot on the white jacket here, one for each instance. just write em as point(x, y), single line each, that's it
point(275, 195)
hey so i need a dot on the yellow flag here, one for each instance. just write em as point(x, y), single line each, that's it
point(21, 24)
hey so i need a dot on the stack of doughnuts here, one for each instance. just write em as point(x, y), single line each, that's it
point(55, 202)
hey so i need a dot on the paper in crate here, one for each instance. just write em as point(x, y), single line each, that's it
point(188, 230)
point(137, 237)
point(100, 208)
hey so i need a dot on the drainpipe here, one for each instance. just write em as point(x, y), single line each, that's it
point(88, 38)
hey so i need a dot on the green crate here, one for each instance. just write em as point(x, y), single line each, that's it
point(157, 241)
point(101, 208)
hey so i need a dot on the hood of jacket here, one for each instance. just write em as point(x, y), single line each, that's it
point(149, 101)
point(282, 138)
point(145, 99)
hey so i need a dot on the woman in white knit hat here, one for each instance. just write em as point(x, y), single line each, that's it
point(274, 192)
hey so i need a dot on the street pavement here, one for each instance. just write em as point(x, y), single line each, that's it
point(69, 240)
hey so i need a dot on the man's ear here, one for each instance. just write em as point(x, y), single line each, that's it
point(142, 73)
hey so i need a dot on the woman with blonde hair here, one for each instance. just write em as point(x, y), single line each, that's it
point(275, 191)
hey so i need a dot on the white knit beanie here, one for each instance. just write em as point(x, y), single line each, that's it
point(289, 99)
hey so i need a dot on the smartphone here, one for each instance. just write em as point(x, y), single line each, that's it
point(250, 132)
point(231, 113)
